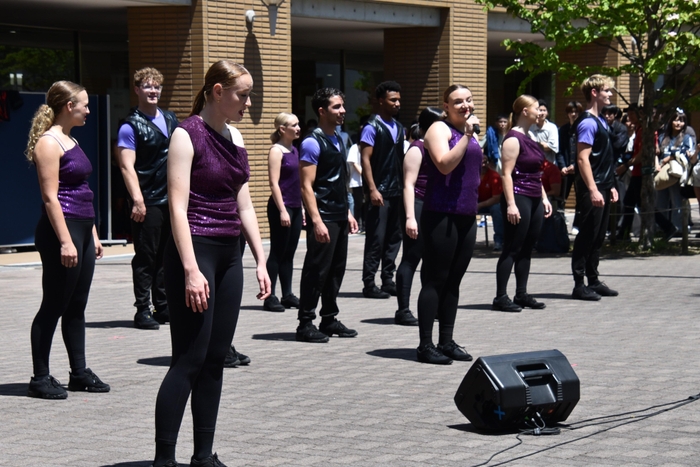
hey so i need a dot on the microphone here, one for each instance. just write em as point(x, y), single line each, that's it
point(475, 128)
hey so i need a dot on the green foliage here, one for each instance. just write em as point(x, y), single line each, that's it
point(41, 67)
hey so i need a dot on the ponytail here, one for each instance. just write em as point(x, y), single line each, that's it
point(223, 72)
point(42, 121)
point(199, 102)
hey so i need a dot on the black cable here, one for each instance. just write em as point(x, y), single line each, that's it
point(626, 421)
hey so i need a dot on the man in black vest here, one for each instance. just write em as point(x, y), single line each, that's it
point(143, 142)
point(595, 188)
point(324, 189)
point(382, 150)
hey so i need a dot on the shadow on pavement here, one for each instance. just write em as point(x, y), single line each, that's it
point(14, 389)
point(379, 321)
point(351, 295)
point(476, 306)
point(131, 464)
point(155, 361)
point(556, 296)
point(401, 354)
point(469, 428)
point(110, 324)
point(275, 336)
point(254, 307)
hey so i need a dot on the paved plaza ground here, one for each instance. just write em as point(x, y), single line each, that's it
point(366, 401)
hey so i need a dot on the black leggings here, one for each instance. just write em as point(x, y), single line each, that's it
point(199, 340)
point(412, 254)
point(518, 242)
point(66, 293)
point(283, 245)
point(449, 245)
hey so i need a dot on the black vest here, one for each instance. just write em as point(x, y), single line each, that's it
point(602, 158)
point(387, 158)
point(152, 155)
point(331, 184)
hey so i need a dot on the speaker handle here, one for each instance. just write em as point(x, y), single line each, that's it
point(529, 374)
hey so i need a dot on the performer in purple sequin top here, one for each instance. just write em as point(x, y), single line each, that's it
point(448, 223)
point(524, 205)
point(210, 207)
point(65, 237)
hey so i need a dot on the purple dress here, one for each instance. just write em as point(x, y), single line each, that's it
point(74, 193)
point(458, 191)
point(289, 183)
point(219, 170)
point(527, 173)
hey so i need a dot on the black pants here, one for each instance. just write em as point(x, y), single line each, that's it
point(382, 240)
point(358, 196)
point(323, 271)
point(65, 294)
point(283, 245)
point(449, 245)
point(592, 226)
point(518, 242)
point(633, 198)
point(199, 340)
point(150, 237)
point(412, 254)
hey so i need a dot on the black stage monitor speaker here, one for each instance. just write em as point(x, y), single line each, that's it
point(503, 392)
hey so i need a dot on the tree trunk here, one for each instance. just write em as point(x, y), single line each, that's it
point(648, 195)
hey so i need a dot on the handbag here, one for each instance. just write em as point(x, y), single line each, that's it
point(675, 169)
point(663, 179)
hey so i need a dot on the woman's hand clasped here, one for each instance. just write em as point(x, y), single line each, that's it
point(196, 291)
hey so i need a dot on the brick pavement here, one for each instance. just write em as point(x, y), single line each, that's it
point(366, 401)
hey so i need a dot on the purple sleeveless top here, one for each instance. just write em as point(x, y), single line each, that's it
point(74, 193)
point(289, 183)
point(219, 170)
point(458, 191)
point(422, 178)
point(527, 174)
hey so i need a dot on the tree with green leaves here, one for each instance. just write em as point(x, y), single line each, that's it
point(656, 41)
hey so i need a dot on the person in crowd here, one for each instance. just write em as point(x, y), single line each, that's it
point(283, 210)
point(618, 130)
point(210, 207)
point(324, 189)
point(65, 237)
point(143, 142)
point(493, 140)
point(566, 158)
point(448, 223)
point(490, 189)
point(381, 147)
point(595, 189)
point(633, 191)
point(524, 205)
point(356, 195)
point(415, 166)
point(674, 144)
point(545, 133)
point(551, 182)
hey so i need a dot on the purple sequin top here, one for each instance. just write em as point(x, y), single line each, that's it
point(422, 178)
point(219, 170)
point(527, 173)
point(74, 193)
point(289, 183)
point(458, 191)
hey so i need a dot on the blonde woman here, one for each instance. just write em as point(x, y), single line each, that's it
point(65, 237)
point(283, 210)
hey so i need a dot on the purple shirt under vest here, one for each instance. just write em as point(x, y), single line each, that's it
point(219, 170)
point(527, 173)
point(422, 178)
point(289, 183)
point(74, 193)
point(458, 191)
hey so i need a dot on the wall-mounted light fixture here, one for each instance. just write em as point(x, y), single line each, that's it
point(272, 8)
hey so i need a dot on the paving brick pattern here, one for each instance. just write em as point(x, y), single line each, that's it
point(366, 401)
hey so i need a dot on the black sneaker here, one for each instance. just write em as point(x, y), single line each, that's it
point(528, 301)
point(603, 290)
point(211, 461)
point(88, 381)
point(290, 301)
point(336, 327)
point(581, 292)
point(46, 387)
point(374, 292)
point(309, 333)
point(405, 318)
point(272, 303)
point(144, 320)
point(430, 354)
point(162, 316)
point(455, 352)
point(503, 303)
point(243, 359)
point(231, 360)
point(390, 288)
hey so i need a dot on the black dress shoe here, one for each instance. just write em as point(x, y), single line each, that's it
point(528, 301)
point(430, 354)
point(290, 301)
point(581, 292)
point(455, 352)
point(389, 288)
point(374, 292)
point(272, 303)
point(405, 318)
point(603, 290)
point(503, 303)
